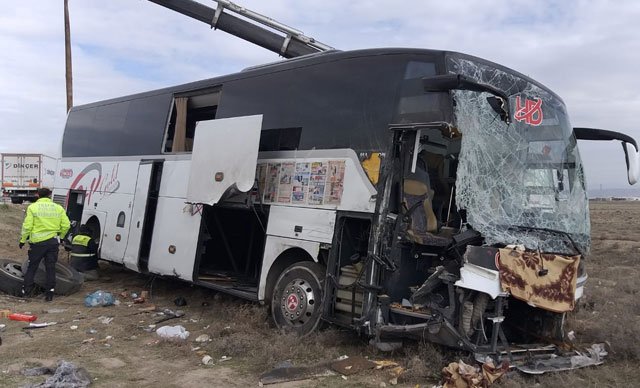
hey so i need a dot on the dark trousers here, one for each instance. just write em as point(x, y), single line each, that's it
point(47, 250)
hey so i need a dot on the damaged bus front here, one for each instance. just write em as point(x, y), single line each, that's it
point(482, 225)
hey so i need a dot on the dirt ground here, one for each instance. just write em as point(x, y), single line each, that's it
point(244, 343)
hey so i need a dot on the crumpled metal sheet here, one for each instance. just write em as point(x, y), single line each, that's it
point(495, 181)
point(592, 356)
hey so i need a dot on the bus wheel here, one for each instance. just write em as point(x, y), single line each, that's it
point(297, 298)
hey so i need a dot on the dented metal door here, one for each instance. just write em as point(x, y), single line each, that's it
point(224, 157)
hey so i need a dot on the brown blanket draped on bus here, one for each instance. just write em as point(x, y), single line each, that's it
point(545, 280)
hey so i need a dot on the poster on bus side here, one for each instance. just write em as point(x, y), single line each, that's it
point(301, 183)
point(287, 170)
point(271, 191)
point(317, 181)
point(335, 182)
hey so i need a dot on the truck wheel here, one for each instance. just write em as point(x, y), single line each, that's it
point(68, 280)
point(10, 277)
point(16, 201)
point(296, 305)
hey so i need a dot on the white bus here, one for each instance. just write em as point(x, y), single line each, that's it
point(400, 192)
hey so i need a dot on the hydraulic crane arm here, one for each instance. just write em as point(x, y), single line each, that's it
point(293, 44)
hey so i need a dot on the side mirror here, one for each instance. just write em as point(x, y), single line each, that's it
point(632, 158)
point(447, 82)
point(629, 146)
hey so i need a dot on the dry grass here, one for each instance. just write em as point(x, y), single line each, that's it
point(243, 331)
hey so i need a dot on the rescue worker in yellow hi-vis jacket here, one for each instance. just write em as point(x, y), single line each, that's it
point(84, 253)
point(44, 225)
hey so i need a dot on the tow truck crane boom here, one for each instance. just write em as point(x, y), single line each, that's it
point(293, 44)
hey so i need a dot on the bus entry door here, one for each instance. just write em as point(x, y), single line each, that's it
point(140, 199)
point(225, 153)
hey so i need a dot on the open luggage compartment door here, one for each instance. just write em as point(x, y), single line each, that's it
point(225, 153)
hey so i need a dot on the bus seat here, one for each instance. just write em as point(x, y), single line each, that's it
point(417, 199)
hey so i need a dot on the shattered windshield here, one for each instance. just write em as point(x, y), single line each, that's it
point(520, 183)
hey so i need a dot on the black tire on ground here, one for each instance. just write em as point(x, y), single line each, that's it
point(68, 280)
point(297, 299)
point(10, 277)
point(16, 201)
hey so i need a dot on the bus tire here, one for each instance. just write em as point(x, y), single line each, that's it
point(68, 280)
point(10, 277)
point(297, 300)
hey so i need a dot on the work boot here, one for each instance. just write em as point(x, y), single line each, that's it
point(48, 295)
point(26, 292)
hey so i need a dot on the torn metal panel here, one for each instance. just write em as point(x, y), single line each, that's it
point(225, 153)
point(520, 183)
point(593, 356)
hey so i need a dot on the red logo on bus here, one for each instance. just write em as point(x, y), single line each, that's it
point(66, 173)
point(529, 111)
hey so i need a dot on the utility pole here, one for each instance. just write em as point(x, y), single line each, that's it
point(67, 52)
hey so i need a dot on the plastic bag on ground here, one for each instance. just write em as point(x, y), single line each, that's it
point(176, 333)
point(99, 298)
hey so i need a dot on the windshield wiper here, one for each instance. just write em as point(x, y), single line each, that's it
point(566, 234)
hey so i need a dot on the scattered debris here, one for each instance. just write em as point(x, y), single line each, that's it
point(66, 375)
point(22, 317)
point(54, 311)
point(207, 360)
point(462, 375)
point(39, 325)
point(352, 365)
point(91, 330)
point(2, 327)
point(4, 313)
point(203, 338)
point(170, 314)
point(73, 327)
point(593, 356)
point(88, 340)
point(173, 332)
point(225, 358)
point(105, 320)
point(99, 298)
point(37, 371)
point(180, 301)
point(571, 335)
point(293, 373)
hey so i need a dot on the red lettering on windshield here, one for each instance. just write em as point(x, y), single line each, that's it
point(530, 111)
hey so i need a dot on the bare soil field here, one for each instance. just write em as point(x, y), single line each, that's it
point(244, 343)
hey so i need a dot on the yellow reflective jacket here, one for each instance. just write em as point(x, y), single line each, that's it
point(44, 220)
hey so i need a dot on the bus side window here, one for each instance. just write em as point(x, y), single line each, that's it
point(187, 111)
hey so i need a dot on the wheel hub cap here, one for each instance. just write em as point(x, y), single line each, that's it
point(298, 302)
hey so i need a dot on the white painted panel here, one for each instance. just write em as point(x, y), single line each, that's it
point(228, 147)
point(274, 246)
point(315, 224)
point(175, 178)
point(474, 277)
point(132, 252)
point(176, 226)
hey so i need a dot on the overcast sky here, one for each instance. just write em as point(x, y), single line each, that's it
point(588, 52)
